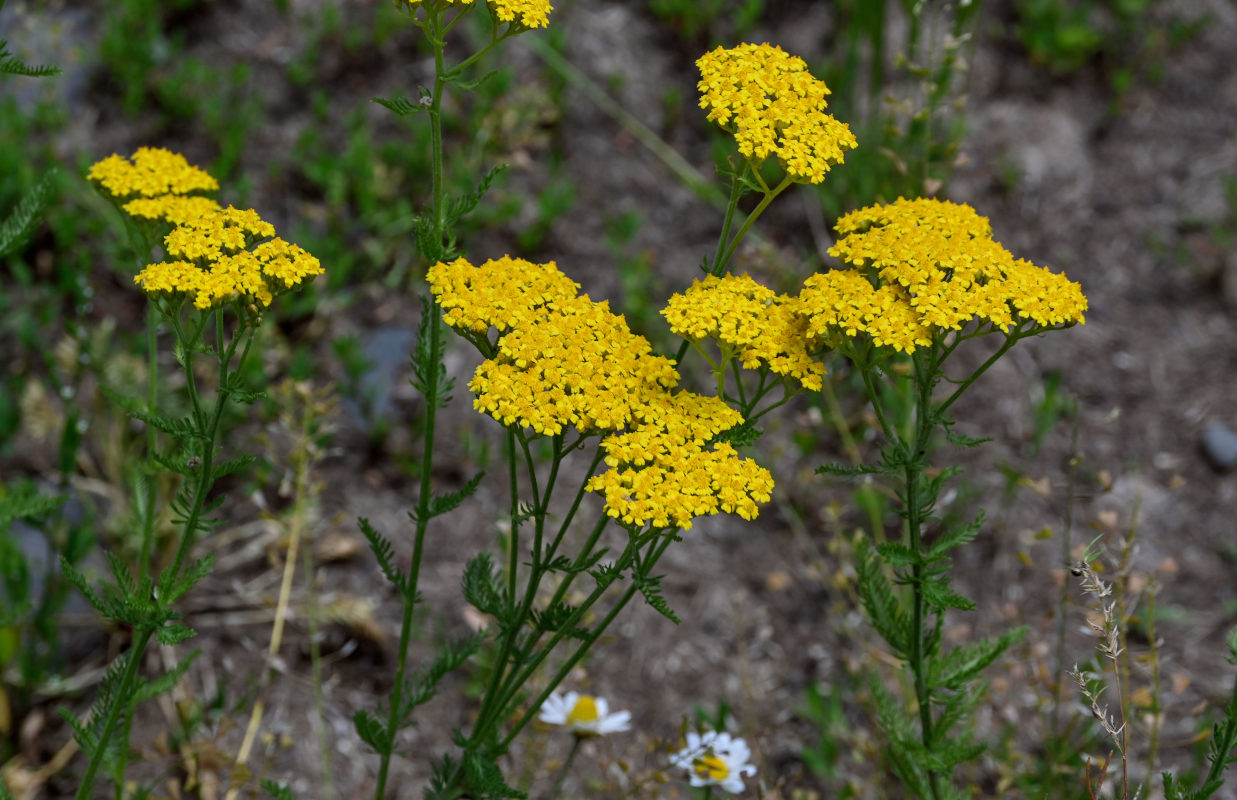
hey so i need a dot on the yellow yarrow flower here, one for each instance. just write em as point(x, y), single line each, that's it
point(528, 13)
point(173, 208)
point(924, 265)
point(531, 13)
point(499, 294)
point(576, 365)
point(221, 257)
point(562, 360)
point(152, 172)
point(738, 312)
point(774, 107)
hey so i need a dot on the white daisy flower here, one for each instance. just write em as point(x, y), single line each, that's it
point(715, 759)
point(584, 714)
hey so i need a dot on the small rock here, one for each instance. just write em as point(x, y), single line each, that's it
point(1220, 447)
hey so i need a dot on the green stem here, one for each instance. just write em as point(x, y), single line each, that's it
point(657, 548)
point(120, 698)
point(915, 461)
point(769, 197)
point(418, 547)
point(562, 773)
point(721, 259)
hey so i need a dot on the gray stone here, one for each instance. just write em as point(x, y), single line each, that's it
point(1220, 447)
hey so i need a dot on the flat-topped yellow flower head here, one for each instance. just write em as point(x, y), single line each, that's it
point(523, 13)
point(563, 361)
point(762, 326)
point(528, 13)
point(151, 172)
point(227, 255)
point(501, 293)
point(774, 107)
point(925, 265)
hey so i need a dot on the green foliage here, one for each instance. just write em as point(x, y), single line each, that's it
point(650, 587)
point(716, 21)
point(20, 224)
point(1221, 749)
point(11, 65)
point(484, 588)
point(385, 553)
point(1128, 39)
point(279, 791)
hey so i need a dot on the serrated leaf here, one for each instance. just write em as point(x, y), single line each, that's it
point(744, 435)
point(955, 668)
point(174, 633)
point(447, 658)
point(485, 780)
point(25, 502)
point(22, 221)
point(444, 503)
point(385, 553)
point(402, 106)
point(182, 427)
point(238, 390)
point(372, 731)
point(940, 597)
point(11, 65)
point(165, 682)
point(897, 554)
point(482, 586)
point(173, 587)
point(650, 587)
point(232, 465)
point(884, 610)
point(82, 585)
point(460, 206)
point(850, 471)
point(955, 538)
point(555, 618)
point(469, 86)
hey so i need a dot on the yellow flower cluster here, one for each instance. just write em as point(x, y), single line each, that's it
point(174, 208)
point(500, 293)
point(152, 172)
point(530, 13)
point(217, 254)
point(222, 257)
point(663, 473)
point(762, 326)
point(563, 360)
point(924, 265)
point(773, 106)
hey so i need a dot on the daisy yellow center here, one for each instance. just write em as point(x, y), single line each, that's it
point(711, 767)
point(584, 711)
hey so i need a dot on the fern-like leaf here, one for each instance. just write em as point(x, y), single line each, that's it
point(402, 106)
point(444, 503)
point(25, 502)
point(850, 471)
point(11, 65)
point(372, 731)
point(385, 553)
point(884, 610)
point(482, 586)
point(460, 206)
point(650, 587)
point(962, 664)
point(18, 226)
point(165, 682)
